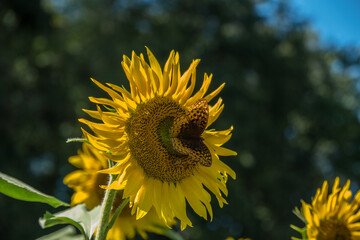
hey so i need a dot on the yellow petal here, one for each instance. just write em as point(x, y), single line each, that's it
point(167, 74)
point(145, 200)
point(193, 200)
point(210, 96)
point(157, 69)
point(135, 180)
point(166, 211)
point(178, 204)
point(201, 92)
point(183, 92)
point(129, 100)
point(76, 160)
point(118, 168)
point(103, 129)
point(215, 111)
point(223, 151)
point(216, 138)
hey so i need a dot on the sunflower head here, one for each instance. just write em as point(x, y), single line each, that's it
point(157, 133)
point(86, 183)
point(333, 216)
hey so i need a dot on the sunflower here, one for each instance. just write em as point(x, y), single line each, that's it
point(332, 216)
point(157, 133)
point(86, 182)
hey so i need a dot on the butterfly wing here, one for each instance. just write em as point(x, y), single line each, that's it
point(194, 148)
point(193, 124)
point(197, 116)
point(185, 133)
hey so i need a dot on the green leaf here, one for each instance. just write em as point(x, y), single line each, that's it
point(78, 216)
point(14, 188)
point(68, 233)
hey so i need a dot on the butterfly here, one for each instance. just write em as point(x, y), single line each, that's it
point(185, 133)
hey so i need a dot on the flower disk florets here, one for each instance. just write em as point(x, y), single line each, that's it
point(149, 140)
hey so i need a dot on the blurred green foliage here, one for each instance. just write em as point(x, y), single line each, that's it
point(294, 104)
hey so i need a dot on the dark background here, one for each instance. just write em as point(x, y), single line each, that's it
point(293, 102)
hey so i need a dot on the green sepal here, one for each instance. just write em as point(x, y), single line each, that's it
point(299, 214)
point(78, 216)
point(109, 109)
point(124, 88)
point(302, 231)
point(15, 188)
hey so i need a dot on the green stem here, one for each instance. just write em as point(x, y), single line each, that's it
point(117, 213)
point(105, 211)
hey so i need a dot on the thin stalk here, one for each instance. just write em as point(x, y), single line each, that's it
point(106, 210)
point(117, 213)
